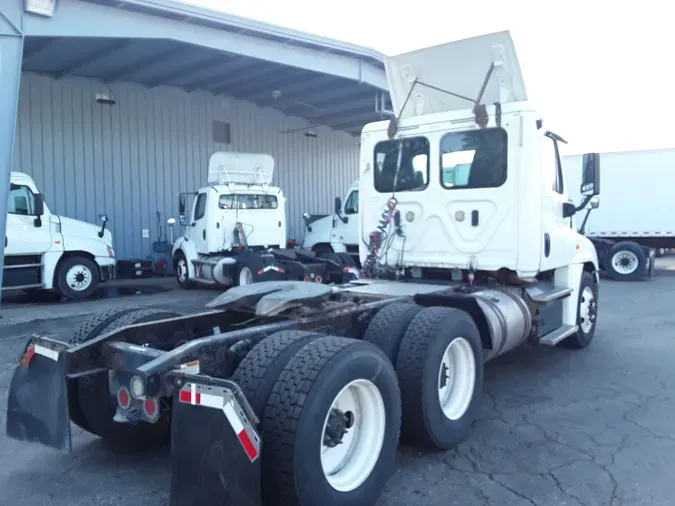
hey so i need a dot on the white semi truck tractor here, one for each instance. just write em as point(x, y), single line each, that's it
point(292, 393)
point(235, 232)
point(49, 252)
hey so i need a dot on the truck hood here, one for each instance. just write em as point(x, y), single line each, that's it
point(77, 228)
point(454, 70)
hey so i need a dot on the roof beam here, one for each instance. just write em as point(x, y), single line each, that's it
point(267, 86)
point(39, 44)
point(355, 121)
point(101, 21)
point(145, 63)
point(202, 79)
point(241, 80)
point(93, 56)
point(339, 111)
point(170, 75)
point(329, 97)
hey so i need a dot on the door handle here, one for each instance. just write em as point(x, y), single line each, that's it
point(5, 241)
point(204, 234)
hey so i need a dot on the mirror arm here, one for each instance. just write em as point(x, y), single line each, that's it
point(582, 228)
point(583, 204)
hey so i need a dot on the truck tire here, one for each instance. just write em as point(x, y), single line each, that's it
point(626, 262)
point(347, 260)
point(98, 407)
point(303, 462)
point(322, 249)
point(386, 330)
point(248, 265)
point(182, 271)
point(440, 370)
point(587, 312)
point(89, 329)
point(261, 367)
point(77, 277)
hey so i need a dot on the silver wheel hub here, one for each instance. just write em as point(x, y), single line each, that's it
point(353, 435)
point(625, 262)
point(181, 270)
point(245, 276)
point(457, 378)
point(587, 310)
point(79, 277)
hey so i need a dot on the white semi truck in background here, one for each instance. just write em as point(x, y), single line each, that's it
point(337, 232)
point(289, 393)
point(46, 251)
point(636, 217)
point(235, 233)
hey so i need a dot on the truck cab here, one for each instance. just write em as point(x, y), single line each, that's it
point(45, 251)
point(337, 232)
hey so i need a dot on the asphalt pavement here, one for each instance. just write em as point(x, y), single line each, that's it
point(558, 427)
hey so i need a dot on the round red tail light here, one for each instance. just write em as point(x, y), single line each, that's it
point(150, 407)
point(123, 398)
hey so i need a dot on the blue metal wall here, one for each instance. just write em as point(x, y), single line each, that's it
point(131, 159)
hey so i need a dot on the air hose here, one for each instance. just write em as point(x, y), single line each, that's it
point(377, 238)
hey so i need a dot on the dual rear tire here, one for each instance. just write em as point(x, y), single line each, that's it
point(332, 410)
point(330, 415)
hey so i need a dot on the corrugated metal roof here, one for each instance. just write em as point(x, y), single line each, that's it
point(320, 98)
point(218, 19)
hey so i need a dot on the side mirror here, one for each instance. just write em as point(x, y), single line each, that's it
point(38, 205)
point(305, 216)
point(590, 175)
point(338, 206)
point(103, 218)
point(568, 209)
point(595, 203)
point(181, 205)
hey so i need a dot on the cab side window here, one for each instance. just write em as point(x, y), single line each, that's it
point(550, 165)
point(200, 207)
point(352, 204)
point(20, 200)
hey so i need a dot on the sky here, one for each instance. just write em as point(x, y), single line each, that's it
point(601, 74)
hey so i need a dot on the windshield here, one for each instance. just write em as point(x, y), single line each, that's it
point(402, 165)
point(474, 159)
point(247, 201)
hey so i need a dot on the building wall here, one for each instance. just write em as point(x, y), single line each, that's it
point(131, 160)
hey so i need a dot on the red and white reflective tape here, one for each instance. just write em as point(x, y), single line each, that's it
point(197, 395)
point(270, 268)
point(36, 349)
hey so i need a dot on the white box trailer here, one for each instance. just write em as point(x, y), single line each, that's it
point(636, 217)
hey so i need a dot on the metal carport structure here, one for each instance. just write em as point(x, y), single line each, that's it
point(159, 42)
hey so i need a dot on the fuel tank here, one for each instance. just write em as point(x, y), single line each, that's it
point(508, 318)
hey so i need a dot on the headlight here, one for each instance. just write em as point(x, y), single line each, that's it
point(111, 252)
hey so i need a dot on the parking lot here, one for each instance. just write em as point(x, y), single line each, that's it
point(558, 427)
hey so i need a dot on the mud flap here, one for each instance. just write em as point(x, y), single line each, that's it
point(37, 404)
point(215, 450)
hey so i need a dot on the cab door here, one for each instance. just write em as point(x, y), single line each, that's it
point(557, 233)
point(198, 223)
point(23, 236)
point(348, 233)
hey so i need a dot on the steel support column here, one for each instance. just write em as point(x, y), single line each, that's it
point(11, 50)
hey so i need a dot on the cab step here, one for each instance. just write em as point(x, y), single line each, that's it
point(554, 337)
point(544, 292)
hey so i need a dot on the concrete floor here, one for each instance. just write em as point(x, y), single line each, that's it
point(558, 427)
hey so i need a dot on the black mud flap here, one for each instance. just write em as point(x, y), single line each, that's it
point(215, 449)
point(37, 403)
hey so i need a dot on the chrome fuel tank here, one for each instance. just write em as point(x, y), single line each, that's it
point(508, 318)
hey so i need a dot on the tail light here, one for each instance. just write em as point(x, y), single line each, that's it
point(151, 408)
point(318, 279)
point(123, 398)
